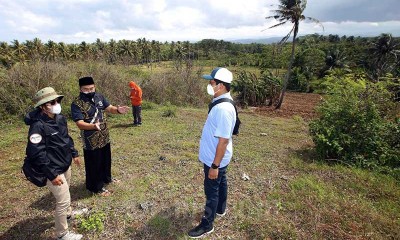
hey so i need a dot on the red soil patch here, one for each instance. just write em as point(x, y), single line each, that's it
point(294, 104)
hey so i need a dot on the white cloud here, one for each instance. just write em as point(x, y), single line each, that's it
point(180, 18)
point(20, 19)
point(85, 20)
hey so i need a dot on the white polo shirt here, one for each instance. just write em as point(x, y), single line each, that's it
point(220, 123)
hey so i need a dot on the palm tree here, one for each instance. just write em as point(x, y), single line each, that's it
point(74, 51)
point(38, 48)
point(63, 51)
point(100, 49)
point(334, 59)
point(85, 50)
point(6, 57)
point(112, 48)
point(385, 52)
point(52, 50)
point(19, 51)
point(290, 11)
point(125, 50)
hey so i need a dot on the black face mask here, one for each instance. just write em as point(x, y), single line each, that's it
point(89, 95)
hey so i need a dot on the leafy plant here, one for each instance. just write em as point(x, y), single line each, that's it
point(356, 127)
point(169, 111)
point(92, 222)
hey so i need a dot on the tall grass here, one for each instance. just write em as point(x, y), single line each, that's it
point(20, 83)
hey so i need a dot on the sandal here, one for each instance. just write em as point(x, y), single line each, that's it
point(115, 180)
point(104, 192)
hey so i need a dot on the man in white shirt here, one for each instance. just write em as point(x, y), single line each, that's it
point(216, 150)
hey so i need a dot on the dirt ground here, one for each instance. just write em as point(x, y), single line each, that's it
point(294, 104)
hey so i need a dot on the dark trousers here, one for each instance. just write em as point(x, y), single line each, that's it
point(97, 168)
point(137, 114)
point(216, 191)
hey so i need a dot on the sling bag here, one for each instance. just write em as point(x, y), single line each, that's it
point(237, 123)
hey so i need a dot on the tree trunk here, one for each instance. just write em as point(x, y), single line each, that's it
point(287, 77)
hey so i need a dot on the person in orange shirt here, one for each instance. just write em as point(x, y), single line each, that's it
point(136, 100)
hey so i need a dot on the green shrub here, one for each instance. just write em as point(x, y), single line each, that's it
point(356, 126)
point(169, 110)
point(336, 78)
point(92, 222)
point(148, 105)
point(298, 81)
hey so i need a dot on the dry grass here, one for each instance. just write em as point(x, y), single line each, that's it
point(290, 195)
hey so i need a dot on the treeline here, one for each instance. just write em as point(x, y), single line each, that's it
point(316, 54)
point(128, 52)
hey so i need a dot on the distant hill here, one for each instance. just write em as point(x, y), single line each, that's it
point(260, 40)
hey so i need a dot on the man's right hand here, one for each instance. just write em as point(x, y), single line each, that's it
point(97, 125)
point(57, 181)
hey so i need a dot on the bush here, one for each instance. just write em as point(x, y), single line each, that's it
point(169, 110)
point(182, 87)
point(356, 126)
point(298, 81)
point(92, 223)
point(255, 91)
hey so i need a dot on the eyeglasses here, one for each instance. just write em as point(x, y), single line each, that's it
point(53, 102)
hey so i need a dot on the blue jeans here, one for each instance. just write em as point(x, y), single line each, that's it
point(216, 191)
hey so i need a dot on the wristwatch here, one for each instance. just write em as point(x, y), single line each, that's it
point(213, 166)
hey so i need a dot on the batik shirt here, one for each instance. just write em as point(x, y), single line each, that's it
point(91, 111)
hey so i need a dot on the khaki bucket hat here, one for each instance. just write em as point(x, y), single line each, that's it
point(45, 95)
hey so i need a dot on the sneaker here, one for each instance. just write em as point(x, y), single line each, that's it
point(221, 214)
point(71, 236)
point(200, 231)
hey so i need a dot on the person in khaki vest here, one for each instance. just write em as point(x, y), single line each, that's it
point(51, 150)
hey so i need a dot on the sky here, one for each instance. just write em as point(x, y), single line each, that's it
point(74, 21)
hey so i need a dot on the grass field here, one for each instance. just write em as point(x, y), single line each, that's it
point(290, 194)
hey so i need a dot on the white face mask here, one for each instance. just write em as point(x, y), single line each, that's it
point(56, 109)
point(210, 90)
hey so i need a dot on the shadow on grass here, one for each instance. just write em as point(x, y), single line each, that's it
point(47, 202)
point(32, 228)
point(167, 224)
point(308, 155)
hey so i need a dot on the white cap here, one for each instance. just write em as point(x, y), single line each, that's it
point(219, 73)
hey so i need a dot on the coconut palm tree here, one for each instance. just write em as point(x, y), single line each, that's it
point(74, 51)
point(334, 59)
point(6, 57)
point(386, 53)
point(85, 49)
point(112, 51)
point(19, 51)
point(289, 11)
point(38, 48)
point(63, 51)
point(51, 50)
point(125, 50)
